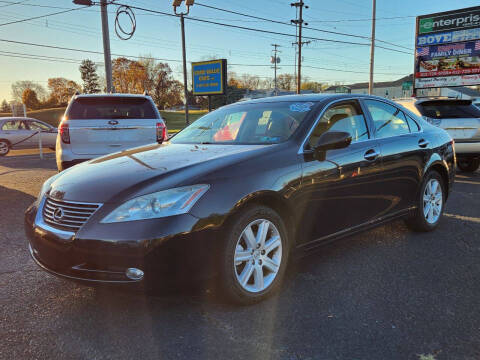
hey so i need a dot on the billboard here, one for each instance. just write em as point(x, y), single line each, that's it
point(447, 48)
point(209, 77)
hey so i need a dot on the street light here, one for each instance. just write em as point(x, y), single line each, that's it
point(83, 2)
point(188, 3)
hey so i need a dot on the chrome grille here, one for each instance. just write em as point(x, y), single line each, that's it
point(67, 215)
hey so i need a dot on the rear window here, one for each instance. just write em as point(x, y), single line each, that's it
point(448, 109)
point(111, 108)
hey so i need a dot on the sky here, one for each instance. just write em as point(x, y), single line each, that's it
point(159, 36)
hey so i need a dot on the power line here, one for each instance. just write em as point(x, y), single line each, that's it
point(84, 51)
point(42, 16)
point(245, 27)
point(289, 24)
point(161, 59)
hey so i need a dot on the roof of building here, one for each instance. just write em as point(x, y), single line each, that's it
point(381, 84)
point(466, 91)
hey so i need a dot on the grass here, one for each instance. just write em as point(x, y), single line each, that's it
point(175, 119)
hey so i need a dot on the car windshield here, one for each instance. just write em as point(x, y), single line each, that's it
point(111, 108)
point(448, 109)
point(261, 123)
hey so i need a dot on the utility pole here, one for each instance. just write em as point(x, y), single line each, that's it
point(188, 3)
point(106, 38)
point(106, 45)
point(275, 60)
point(372, 48)
point(299, 21)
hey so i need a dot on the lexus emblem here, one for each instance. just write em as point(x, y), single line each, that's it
point(58, 214)
point(113, 122)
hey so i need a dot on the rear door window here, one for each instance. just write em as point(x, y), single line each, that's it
point(389, 120)
point(14, 125)
point(111, 108)
point(451, 109)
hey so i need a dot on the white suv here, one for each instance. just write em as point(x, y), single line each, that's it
point(460, 118)
point(99, 124)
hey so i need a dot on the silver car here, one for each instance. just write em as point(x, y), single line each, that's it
point(460, 118)
point(22, 133)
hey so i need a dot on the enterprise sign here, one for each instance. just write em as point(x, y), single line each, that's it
point(447, 49)
point(209, 77)
point(449, 20)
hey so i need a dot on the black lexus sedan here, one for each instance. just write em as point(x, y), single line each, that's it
point(235, 194)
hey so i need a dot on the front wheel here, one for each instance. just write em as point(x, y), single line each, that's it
point(430, 204)
point(255, 256)
point(469, 164)
point(4, 147)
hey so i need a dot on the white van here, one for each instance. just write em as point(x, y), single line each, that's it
point(99, 124)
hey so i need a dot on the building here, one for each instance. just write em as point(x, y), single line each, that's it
point(388, 89)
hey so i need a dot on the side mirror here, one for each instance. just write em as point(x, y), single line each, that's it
point(331, 140)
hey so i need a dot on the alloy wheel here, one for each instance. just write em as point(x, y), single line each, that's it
point(258, 255)
point(3, 148)
point(432, 201)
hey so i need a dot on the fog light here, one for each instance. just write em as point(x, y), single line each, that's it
point(134, 274)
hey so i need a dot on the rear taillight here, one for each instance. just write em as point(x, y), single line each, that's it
point(161, 132)
point(64, 132)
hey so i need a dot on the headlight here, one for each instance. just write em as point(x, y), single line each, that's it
point(157, 205)
point(46, 185)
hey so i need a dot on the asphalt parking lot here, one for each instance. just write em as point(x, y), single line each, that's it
point(384, 294)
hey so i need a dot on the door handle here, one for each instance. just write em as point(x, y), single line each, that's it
point(371, 155)
point(423, 143)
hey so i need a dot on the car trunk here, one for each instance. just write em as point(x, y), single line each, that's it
point(459, 118)
point(102, 136)
point(104, 124)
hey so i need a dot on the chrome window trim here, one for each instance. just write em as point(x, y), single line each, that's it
point(301, 150)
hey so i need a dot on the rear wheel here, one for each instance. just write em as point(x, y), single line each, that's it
point(468, 164)
point(430, 204)
point(255, 256)
point(4, 147)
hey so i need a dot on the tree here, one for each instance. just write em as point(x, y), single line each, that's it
point(29, 98)
point(61, 90)
point(19, 87)
point(312, 85)
point(88, 72)
point(129, 76)
point(5, 107)
point(286, 82)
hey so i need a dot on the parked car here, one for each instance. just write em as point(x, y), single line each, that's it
point(23, 133)
point(291, 173)
point(459, 118)
point(100, 124)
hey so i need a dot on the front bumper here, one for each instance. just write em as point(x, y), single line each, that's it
point(173, 249)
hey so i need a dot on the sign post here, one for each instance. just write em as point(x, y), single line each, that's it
point(209, 78)
point(447, 49)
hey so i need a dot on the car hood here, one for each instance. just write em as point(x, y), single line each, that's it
point(119, 176)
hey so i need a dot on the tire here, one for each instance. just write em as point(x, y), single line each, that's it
point(263, 281)
point(469, 164)
point(431, 196)
point(4, 147)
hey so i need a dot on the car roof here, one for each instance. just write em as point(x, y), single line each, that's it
point(310, 97)
point(10, 118)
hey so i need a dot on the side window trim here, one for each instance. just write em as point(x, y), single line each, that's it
point(337, 102)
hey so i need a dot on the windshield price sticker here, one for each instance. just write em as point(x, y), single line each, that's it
point(301, 107)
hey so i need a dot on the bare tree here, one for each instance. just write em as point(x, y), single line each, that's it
point(18, 87)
